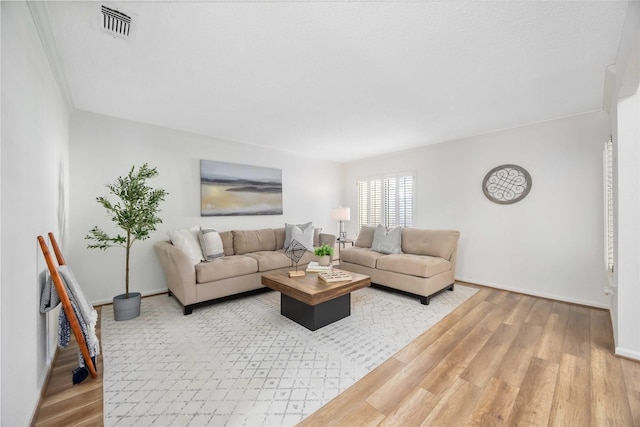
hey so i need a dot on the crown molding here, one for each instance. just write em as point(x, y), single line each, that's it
point(40, 17)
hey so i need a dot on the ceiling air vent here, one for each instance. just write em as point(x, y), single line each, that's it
point(116, 23)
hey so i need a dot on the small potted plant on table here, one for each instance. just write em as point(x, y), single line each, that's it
point(324, 252)
point(136, 213)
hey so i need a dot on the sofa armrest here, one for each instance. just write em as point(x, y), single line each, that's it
point(327, 239)
point(179, 272)
point(452, 260)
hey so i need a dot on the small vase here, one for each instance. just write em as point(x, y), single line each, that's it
point(126, 308)
point(324, 260)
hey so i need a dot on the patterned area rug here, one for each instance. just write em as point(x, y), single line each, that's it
point(240, 363)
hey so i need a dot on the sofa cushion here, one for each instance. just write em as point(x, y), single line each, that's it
point(365, 237)
point(361, 256)
point(270, 260)
point(413, 265)
point(280, 236)
point(227, 242)
point(307, 257)
point(187, 240)
point(246, 241)
point(387, 241)
point(211, 243)
point(439, 243)
point(223, 268)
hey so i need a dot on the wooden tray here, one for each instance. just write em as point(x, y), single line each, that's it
point(334, 276)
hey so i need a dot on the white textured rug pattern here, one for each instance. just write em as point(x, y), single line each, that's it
point(241, 363)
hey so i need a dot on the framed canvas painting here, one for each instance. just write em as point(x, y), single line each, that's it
point(229, 189)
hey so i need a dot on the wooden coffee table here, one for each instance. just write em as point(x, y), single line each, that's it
point(312, 303)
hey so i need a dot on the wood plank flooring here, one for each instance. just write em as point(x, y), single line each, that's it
point(65, 404)
point(500, 359)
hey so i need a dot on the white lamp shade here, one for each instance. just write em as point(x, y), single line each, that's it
point(341, 214)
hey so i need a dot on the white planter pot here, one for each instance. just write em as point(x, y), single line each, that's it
point(324, 260)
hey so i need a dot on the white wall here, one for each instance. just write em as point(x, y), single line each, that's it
point(627, 266)
point(34, 175)
point(103, 148)
point(551, 243)
point(624, 106)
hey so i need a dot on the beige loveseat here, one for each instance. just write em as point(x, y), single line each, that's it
point(248, 254)
point(426, 266)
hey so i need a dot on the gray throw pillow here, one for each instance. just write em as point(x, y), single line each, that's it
point(211, 244)
point(289, 227)
point(387, 241)
point(304, 237)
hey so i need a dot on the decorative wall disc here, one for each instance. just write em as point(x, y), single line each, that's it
point(506, 184)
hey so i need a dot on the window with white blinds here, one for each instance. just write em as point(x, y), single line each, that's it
point(608, 204)
point(387, 200)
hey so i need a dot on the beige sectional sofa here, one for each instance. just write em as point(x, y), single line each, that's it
point(426, 266)
point(248, 254)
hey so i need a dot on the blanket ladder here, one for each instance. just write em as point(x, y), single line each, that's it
point(64, 299)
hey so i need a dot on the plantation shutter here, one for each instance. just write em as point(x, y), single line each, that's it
point(375, 202)
point(363, 203)
point(405, 201)
point(609, 214)
point(390, 201)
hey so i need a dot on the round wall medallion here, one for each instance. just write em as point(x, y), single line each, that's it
point(506, 184)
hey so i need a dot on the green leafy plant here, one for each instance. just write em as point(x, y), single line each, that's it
point(135, 212)
point(324, 250)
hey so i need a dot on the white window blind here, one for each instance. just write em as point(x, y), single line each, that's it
point(363, 203)
point(405, 200)
point(608, 204)
point(391, 201)
point(375, 201)
point(387, 200)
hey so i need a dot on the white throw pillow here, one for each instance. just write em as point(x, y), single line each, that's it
point(211, 244)
point(304, 237)
point(289, 227)
point(387, 241)
point(187, 240)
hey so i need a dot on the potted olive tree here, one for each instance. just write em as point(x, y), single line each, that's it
point(136, 213)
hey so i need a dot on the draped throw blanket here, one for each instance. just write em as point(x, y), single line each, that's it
point(84, 311)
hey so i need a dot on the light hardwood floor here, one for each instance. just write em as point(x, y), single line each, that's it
point(500, 359)
point(65, 404)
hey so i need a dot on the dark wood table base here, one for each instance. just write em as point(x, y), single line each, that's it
point(314, 317)
point(312, 303)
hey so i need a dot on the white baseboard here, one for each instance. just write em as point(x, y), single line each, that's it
point(536, 294)
point(144, 294)
point(627, 353)
point(42, 383)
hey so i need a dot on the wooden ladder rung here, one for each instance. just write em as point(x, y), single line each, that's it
point(64, 299)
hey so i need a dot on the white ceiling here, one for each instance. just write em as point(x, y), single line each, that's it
point(341, 80)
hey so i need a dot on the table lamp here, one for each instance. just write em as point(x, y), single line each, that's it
point(341, 215)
